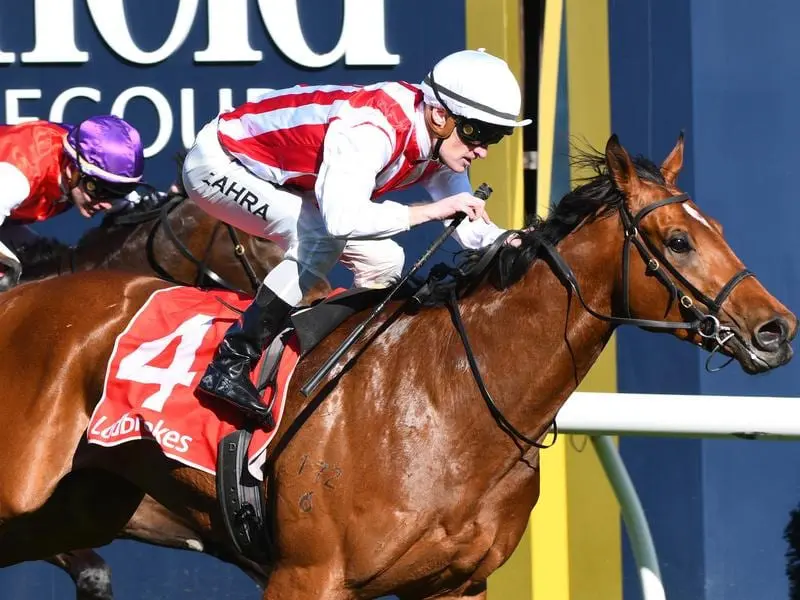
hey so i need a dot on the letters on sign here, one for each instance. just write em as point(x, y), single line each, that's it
point(361, 42)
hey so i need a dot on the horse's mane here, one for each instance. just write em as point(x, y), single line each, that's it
point(147, 205)
point(595, 197)
point(42, 250)
point(147, 208)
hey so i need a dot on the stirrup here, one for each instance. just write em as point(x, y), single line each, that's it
point(241, 499)
point(262, 415)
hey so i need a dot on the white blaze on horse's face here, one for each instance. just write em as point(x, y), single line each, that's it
point(695, 214)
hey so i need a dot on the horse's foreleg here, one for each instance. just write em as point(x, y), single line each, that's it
point(154, 524)
point(91, 574)
point(475, 591)
point(87, 509)
point(469, 591)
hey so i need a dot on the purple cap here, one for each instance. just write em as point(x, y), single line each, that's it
point(110, 149)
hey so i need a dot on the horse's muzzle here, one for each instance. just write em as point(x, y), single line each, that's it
point(771, 335)
point(768, 347)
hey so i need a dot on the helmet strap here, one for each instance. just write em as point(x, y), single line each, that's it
point(437, 146)
point(439, 132)
point(70, 171)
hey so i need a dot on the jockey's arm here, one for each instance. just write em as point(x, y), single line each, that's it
point(14, 189)
point(470, 234)
point(353, 155)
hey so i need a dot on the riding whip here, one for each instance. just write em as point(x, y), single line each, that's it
point(483, 192)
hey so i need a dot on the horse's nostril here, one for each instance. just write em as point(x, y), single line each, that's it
point(771, 335)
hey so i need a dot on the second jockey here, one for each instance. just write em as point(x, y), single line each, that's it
point(47, 168)
point(303, 167)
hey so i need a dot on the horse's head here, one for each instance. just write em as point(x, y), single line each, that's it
point(682, 269)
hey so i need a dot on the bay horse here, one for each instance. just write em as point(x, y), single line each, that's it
point(436, 478)
point(169, 236)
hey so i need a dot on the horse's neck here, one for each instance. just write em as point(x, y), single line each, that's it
point(538, 340)
point(105, 247)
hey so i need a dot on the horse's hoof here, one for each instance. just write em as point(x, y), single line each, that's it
point(94, 583)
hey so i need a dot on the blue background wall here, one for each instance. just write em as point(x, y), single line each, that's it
point(140, 571)
point(726, 73)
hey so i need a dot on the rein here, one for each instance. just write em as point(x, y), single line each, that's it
point(706, 324)
point(67, 261)
point(203, 271)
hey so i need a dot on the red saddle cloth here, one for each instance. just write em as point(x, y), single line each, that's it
point(157, 361)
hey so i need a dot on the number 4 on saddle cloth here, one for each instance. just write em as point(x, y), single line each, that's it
point(157, 361)
point(150, 391)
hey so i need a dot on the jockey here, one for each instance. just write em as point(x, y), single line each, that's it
point(46, 168)
point(302, 167)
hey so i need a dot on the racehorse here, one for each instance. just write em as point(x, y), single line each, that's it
point(169, 236)
point(434, 477)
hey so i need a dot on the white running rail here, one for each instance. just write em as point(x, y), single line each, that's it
point(600, 415)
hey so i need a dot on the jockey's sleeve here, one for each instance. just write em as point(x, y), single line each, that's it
point(470, 234)
point(14, 189)
point(353, 155)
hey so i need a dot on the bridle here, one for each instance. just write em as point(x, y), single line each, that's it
point(706, 324)
point(204, 273)
point(161, 217)
point(710, 327)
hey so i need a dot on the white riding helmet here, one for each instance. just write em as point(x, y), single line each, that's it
point(475, 85)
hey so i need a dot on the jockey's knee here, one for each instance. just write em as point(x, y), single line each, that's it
point(304, 268)
point(381, 270)
point(317, 255)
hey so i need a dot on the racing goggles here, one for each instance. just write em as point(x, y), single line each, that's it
point(479, 133)
point(105, 190)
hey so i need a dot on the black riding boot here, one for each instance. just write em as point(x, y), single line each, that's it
point(228, 375)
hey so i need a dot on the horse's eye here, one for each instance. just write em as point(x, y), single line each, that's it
point(679, 243)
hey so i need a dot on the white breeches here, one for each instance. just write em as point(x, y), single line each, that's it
point(290, 218)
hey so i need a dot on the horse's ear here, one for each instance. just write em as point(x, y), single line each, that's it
point(620, 167)
point(672, 165)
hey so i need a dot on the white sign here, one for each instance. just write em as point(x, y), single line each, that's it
point(362, 40)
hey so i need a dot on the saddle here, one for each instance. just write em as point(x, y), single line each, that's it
point(240, 494)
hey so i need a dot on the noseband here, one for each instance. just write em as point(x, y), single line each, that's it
point(706, 324)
